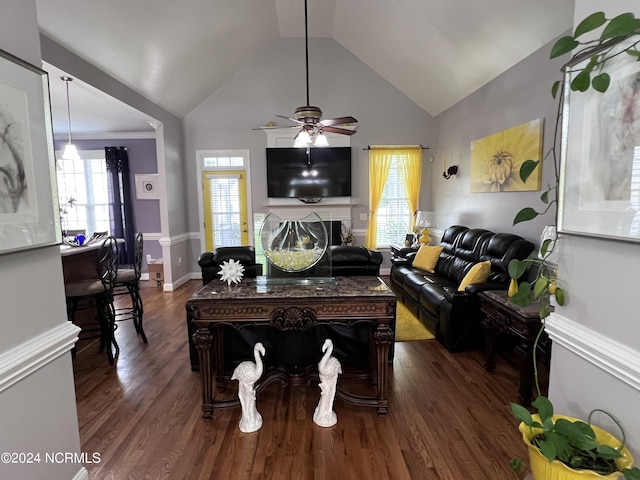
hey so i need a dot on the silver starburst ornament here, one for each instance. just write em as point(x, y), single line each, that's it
point(231, 271)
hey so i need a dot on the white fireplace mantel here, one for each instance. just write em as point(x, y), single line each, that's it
point(333, 208)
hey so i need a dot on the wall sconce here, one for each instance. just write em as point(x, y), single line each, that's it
point(452, 170)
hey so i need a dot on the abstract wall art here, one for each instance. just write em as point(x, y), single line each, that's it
point(600, 156)
point(29, 216)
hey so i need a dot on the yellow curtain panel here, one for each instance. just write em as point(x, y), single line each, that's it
point(410, 166)
point(379, 165)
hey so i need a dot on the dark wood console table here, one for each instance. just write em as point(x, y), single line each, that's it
point(347, 301)
point(522, 324)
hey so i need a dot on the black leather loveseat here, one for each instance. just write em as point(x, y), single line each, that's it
point(454, 316)
point(349, 260)
point(348, 342)
point(339, 260)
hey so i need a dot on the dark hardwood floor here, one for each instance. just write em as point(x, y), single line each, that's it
point(449, 418)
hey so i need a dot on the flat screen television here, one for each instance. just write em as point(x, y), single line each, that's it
point(324, 172)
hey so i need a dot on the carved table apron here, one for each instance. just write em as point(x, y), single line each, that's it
point(348, 301)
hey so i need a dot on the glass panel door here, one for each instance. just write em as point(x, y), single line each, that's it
point(225, 208)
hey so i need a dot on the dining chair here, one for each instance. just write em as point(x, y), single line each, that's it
point(128, 283)
point(97, 293)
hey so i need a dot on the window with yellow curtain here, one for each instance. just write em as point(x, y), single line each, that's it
point(395, 175)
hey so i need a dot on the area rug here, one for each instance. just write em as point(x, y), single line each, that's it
point(409, 327)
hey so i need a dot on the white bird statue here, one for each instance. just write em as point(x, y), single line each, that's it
point(329, 368)
point(247, 374)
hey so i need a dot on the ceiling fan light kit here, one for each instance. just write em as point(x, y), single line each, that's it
point(321, 140)
point(308, 119)
point(302, 139)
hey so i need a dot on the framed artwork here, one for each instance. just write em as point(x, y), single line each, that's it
point(147, 186)
point(409, 238)
point(600, 156)
point(496, 159)
point(29, 216)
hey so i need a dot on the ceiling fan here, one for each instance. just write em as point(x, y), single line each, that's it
point(308, 119)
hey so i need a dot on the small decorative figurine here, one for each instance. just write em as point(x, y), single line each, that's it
point(247, 374)
point(328, 368)
point(231, 271)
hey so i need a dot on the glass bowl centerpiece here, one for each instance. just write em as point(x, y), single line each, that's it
point(293, 245)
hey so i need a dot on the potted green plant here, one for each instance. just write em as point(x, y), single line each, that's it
point(563, 447)
point(566, 448)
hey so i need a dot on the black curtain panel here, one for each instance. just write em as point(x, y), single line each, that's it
point(120, 201)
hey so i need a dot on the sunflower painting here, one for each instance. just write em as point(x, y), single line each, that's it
point(496, 159)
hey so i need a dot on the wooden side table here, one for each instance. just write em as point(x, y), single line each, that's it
point(521, 323)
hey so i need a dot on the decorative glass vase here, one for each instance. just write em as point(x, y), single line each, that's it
point(293, 245)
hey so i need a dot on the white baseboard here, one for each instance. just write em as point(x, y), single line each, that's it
point(24, 359)
point(169, 287)
point(83, 474)
point(611, 356)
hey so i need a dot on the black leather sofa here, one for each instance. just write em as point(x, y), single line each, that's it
point(348, 342)
point(454, 316)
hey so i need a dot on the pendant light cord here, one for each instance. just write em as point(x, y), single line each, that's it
point(66, 81)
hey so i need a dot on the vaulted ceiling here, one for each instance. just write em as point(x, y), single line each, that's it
point(178, 52)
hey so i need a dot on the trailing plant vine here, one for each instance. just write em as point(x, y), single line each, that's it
point(572, 443)
point(599, 52)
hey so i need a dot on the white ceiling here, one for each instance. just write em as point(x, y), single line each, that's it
point(178, 52)
point(92, 112)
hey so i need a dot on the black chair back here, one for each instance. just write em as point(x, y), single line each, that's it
point(108, 262)
point(137, 260)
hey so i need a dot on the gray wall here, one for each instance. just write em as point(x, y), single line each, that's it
point(515, 97)
point(596, 353)
point(38, 412)
point(596, 356)
point(274, 83)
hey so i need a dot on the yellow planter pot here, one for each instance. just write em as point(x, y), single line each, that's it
point(542, 469)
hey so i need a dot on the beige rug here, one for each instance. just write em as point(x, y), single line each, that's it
point(409, 327)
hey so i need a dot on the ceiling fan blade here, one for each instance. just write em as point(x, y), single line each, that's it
point(338, 121)
point(276, 127)
point(341, 131)
point(295, 120)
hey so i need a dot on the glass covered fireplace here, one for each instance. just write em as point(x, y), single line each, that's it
point(297, 249)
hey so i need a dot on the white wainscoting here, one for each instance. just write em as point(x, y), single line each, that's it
point(611, 356)
point(24, 359)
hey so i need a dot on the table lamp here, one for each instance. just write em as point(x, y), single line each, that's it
point(425, 219)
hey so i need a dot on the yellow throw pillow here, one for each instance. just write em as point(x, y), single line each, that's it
point(479, 273)
point(427, 257)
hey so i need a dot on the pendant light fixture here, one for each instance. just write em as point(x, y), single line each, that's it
point(70, 150)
